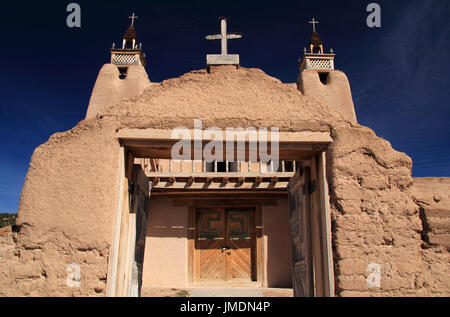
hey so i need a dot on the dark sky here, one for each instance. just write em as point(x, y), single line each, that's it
point(399, 73)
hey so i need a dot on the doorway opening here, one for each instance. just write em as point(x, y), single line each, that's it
point(219, 216)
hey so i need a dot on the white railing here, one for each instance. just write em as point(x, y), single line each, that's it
point(124, 59)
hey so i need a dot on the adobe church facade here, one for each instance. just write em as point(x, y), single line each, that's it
point(106, 210)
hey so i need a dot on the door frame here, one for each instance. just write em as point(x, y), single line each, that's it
point(315, 208)
point(125, 276)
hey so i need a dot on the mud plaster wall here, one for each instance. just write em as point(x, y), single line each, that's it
point(432, 194)
point(336, 93)
point(376, 220)
point(68, 200)
point(65, 215)
point(277, 244)
point(166, 253)
point(109, 89)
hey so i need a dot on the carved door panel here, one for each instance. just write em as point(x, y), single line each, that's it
point(210, 240)
point(240, 241)
point(300, 234)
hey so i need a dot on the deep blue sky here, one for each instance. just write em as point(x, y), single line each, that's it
point(399, 73)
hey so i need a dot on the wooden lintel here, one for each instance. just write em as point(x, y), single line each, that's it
point(166, 134)
point(166, 153)
point(154, 143)
point(224, 202)
point(222, 194)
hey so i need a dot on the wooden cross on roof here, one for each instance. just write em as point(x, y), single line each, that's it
point(133, 17)
point(224, 36)
point(314, 22)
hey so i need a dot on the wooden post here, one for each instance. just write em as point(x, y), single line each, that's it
point(327, 247)
point(111, 282)
point(316, 232)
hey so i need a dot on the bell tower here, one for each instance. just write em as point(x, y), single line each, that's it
point(314, 57)
point(319, 80)
point(124, 77)
point(131, 52)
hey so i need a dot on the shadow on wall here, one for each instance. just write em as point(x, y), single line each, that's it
point(277, 235)
point(167, 221)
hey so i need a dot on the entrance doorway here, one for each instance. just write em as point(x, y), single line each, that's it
point(225, 245)
point(229, 255)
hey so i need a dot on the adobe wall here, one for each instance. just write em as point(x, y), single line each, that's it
point(166, 253)
point(376, 220)
point(277, 245)
point(109, 89)
point(336, 93)
point(432, 194)
point(65, 215)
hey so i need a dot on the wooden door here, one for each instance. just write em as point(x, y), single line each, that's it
point(209, 243)
point(299, 216)
point(225, 245)
point(140, 196)
point(240, 244)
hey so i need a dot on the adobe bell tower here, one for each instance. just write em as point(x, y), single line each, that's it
point(123, 77)
point(318, 78)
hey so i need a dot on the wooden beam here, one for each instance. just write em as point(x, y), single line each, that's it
point(223, 202)
point(224, 185)
point(166, 134)
point(163, 149)
point(166, 153)
point(222, 194)
point(230, 175)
